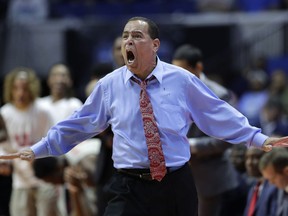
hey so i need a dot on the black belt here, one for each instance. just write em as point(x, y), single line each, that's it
point(144, 173)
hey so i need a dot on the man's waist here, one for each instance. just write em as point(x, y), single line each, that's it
point(144, 173)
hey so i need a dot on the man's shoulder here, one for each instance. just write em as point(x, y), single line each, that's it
point(115, 74)
point(175, 71)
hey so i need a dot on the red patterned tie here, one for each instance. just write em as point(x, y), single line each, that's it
point(155, 153)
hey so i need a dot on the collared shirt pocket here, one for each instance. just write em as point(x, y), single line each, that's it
point(170, 118)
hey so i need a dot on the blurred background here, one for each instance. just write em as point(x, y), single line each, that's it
point(235, 36)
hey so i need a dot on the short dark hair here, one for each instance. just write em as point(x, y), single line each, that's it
point(44, 167)
point(278, 158)
point(187, 52)
point(153, 29)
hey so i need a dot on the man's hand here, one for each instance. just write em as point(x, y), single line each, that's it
point(275, 142)
point(26, 154)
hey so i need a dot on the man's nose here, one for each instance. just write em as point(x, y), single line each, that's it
point(129, 40)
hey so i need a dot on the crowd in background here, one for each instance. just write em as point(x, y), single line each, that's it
point(76, 181)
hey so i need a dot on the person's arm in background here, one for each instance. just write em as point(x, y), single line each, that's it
point(73, 178)
point(201, 145)
point(78, 179)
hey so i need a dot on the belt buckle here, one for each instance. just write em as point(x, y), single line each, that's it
point(146, 176)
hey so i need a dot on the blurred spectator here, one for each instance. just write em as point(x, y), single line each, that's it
point(278, 88)
point(209, 156)
point(60, 103)
point(261, 199)
point(274, 167)
point(272, 120)
point(241, 82)
point(79, 178)
point(237, 157)
point(74, 174)
point(26, 124)
point(253, 100)
point(258, 63)
point(116, 52)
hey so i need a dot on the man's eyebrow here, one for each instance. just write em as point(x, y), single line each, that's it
point(133, 32)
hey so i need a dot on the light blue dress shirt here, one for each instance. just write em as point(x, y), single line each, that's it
point(178, 98)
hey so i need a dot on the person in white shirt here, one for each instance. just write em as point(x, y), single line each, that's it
point(26, 123)
point(60, 103)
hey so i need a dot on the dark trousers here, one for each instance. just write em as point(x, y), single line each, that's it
point(5, 194)
point(175, 195)
point(103, 197)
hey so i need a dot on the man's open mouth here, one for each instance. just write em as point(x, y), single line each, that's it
point(130, 57)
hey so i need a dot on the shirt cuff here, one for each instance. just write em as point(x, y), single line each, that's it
point(258, 140)
point(40, 149)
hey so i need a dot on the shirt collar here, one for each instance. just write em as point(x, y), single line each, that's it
point(157, 72)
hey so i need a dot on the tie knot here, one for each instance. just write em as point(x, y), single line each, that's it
point(143, 83)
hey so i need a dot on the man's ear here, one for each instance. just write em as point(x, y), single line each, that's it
point(156, 44)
